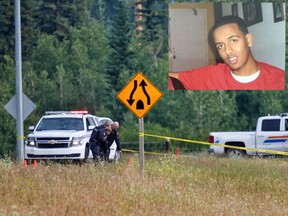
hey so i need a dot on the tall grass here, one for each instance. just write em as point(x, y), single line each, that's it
point(197, 185)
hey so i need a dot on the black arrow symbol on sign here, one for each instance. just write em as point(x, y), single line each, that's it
point(143, 84)
point(131, 100)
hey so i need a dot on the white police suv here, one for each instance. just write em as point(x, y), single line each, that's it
point(63, 135)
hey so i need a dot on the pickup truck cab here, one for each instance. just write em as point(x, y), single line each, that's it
point(64, 135)
point(271, 135)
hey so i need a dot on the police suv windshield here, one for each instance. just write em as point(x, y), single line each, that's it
point(61, 124)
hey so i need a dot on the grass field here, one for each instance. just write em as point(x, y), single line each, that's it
point(198, 185)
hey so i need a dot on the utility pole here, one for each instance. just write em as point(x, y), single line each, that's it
point(19, 94)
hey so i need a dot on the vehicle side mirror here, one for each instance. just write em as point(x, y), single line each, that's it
point(91, 127)
point(31, 128)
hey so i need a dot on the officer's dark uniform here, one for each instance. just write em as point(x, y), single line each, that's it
point(114, 135)
point(98, 141)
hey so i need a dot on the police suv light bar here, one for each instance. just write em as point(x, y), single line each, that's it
point(80, 111)
point(66, 112)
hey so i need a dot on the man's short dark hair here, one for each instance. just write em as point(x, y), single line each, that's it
point(230, 19)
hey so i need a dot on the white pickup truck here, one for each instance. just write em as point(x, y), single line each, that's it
point(271, 136)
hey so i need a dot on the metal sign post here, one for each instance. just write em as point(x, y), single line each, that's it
point(19, 95)
point(141, 145)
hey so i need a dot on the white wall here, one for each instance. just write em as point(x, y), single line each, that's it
point(269, 37)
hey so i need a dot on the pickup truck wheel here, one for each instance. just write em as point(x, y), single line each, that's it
point(235, 153)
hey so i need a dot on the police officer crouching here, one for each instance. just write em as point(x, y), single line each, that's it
point(98, 141)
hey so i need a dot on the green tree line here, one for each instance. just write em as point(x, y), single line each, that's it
point(78, 54)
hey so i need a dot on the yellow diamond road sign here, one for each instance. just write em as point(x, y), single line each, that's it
point(139, 95)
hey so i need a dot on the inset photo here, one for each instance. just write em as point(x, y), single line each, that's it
point(226, 46)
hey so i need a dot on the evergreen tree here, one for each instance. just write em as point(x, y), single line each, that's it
point(249, 107)
point(119, 42)
point(155, 16)
point(98, 10)
point(154, 36)
point(8, 124)
point(73, 73)
point(7, 29)
point(29, 31)
point(56, 16)
point(77, 13)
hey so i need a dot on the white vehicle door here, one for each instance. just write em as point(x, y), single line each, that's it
point(269, 136)
point(285, 135)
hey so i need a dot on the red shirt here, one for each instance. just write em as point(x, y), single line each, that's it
point(218, 77)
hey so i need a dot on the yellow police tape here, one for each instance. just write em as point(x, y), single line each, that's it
point(223, 145)
point(135, 151)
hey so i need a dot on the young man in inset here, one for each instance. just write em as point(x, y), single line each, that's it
point(240, 71)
